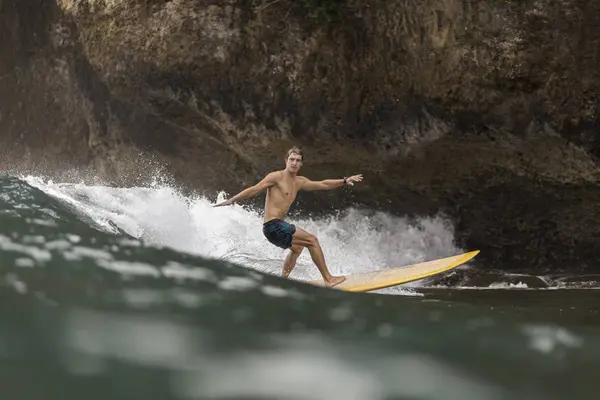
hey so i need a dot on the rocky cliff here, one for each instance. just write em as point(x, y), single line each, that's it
point(486, 111)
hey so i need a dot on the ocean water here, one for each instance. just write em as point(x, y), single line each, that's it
point(146, 293)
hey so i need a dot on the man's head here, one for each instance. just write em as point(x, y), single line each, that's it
point(293, 159)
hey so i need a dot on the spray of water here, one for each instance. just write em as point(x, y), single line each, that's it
point(353, 241)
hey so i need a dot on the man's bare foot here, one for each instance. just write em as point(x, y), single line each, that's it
point(335, 280)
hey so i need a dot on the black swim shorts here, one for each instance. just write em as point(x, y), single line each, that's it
point(279, 232)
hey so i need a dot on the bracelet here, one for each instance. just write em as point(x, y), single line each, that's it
point(345, 181)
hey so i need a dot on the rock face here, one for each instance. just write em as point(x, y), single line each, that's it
point(485, 111)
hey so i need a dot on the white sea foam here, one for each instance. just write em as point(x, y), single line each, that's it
point(508, 285)
point(547, 338)
point(353, 242)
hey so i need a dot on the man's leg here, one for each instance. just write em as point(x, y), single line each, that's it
point(290, 261)
point(305, 239)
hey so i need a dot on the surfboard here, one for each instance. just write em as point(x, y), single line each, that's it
point(398, 275)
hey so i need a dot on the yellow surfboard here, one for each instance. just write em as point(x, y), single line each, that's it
point(399, 275)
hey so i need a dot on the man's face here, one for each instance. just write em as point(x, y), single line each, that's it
point(293, 162)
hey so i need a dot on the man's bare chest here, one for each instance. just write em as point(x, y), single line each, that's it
point(288, 190)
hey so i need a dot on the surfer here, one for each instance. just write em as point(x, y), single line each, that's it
point(282, 187)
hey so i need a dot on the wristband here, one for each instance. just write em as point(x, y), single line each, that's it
point(345, 181)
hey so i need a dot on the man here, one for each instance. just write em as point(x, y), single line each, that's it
point(282, 187)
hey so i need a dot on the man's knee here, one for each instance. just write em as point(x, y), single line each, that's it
point(313, 241)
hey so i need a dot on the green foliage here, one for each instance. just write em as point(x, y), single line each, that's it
point(323, 9)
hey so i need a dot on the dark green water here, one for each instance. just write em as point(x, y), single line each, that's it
point(89, 312)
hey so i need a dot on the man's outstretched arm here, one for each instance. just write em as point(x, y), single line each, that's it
point(330, 183)
point(265, 183)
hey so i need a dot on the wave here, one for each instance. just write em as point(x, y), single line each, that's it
point(353, 240)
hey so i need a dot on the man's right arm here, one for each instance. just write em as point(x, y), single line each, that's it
point(266, 182)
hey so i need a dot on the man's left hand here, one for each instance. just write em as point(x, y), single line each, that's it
point(354, 178)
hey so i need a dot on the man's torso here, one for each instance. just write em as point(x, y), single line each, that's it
point(280, 196)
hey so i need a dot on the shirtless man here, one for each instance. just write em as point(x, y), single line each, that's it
point(282, 187)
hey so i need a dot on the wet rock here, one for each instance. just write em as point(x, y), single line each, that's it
point(473, 278)
point(576, 281)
